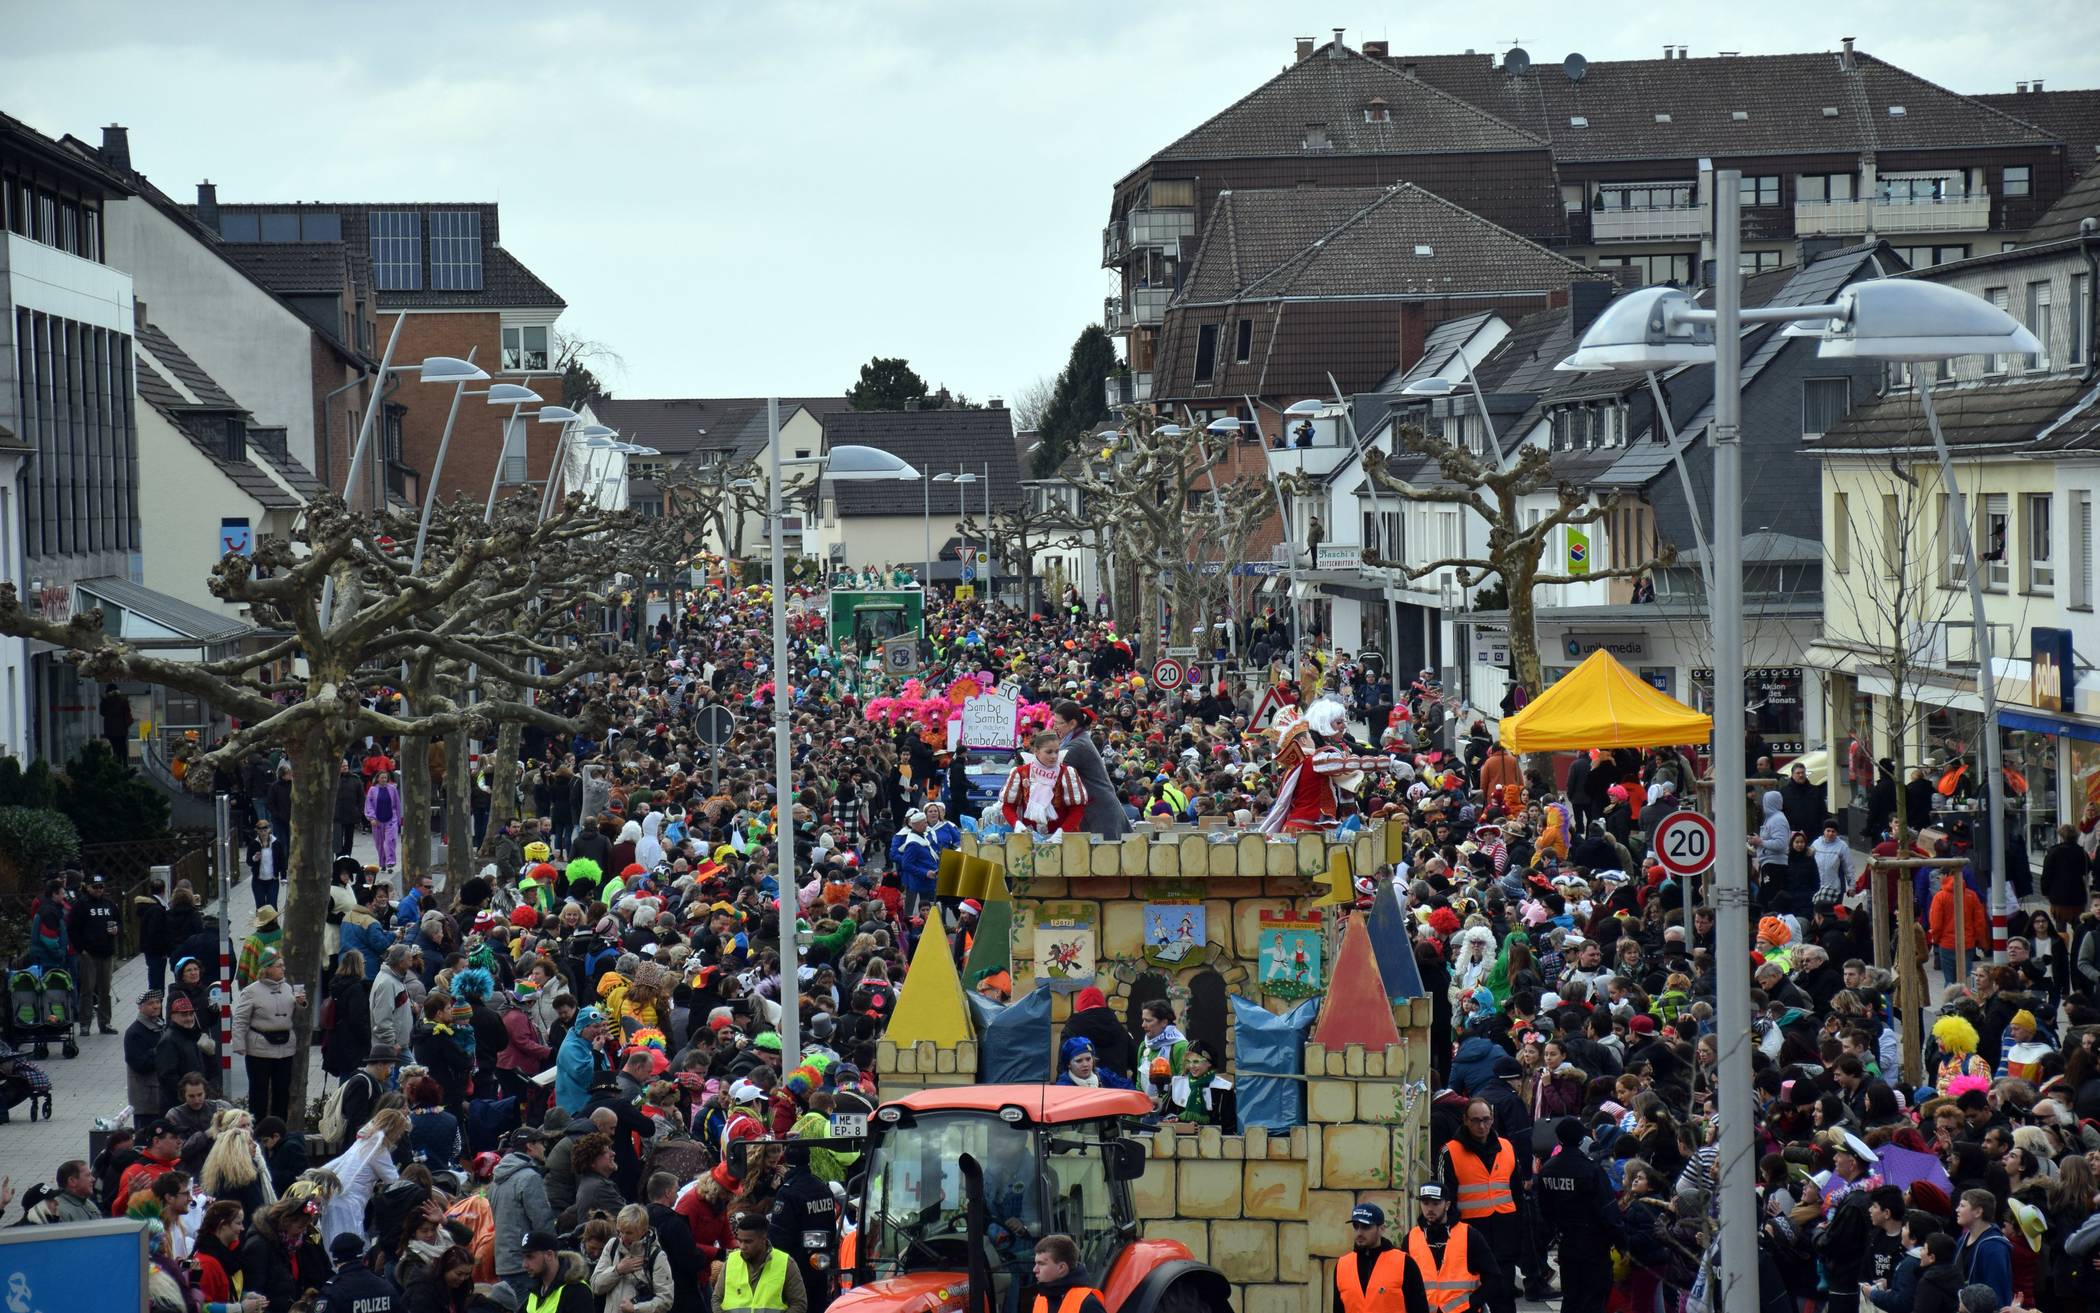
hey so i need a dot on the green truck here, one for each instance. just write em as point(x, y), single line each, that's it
point(868, 617)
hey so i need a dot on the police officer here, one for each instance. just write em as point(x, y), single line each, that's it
point(1580, 1209)
point(358, 1287)
point(1460, 1273)
point(1374, 1276)
point(805, 1224)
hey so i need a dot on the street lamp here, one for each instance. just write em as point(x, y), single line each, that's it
point(1662, 327)
point(843, 462)
point(558, 474)
point(961, 482)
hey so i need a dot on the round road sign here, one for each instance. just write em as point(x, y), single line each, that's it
point(715, 724)
point(1685, 843)
point(1168, 673)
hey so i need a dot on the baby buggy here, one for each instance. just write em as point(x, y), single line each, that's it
point(22, 1080)
point(40, 1009)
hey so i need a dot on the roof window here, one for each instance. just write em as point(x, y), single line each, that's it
point(1896, 111)
point(1577, 121)
point(1740, 115)
point(1830, 111)
point(1662, 118)
point(1424, 248)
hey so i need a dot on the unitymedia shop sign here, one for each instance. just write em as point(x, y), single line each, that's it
point(1623, 646)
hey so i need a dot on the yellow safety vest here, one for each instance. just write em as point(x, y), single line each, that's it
point(738, 1294)
point(551, 1300)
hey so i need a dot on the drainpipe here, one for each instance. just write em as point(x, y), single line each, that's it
point(2087, 227)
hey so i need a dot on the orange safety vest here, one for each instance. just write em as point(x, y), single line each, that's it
point(1074, 1297)
point(1388, 1275)
point(1452, 1284)
point(1482, 1193)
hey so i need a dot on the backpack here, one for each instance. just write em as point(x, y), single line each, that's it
point(332, 1126)
point(328, 1017)
point(383, 806)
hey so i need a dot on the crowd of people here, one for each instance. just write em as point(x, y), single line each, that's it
point(561, 1084)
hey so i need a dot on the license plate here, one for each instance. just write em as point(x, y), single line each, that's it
point(849, 1125)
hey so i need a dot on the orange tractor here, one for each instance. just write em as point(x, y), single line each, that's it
point(960, 1183)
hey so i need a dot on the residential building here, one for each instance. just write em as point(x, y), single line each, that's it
point(858, 524)
point(2073, 116)
point(438, 268)
point(1899, 643)
point(286, 325)
point(69, 498)
point(704, 443)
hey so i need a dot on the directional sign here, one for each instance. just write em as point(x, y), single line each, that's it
point(1685, 843)
point(715, 725)
point(1168, 673)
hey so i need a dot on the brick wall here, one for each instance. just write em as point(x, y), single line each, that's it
point(477, 437)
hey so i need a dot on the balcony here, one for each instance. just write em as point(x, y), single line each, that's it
point(1115, 244)
point(1145, 306)
point(1160, 228)
point(1127, 389)
point(1649, 224)
point(1968, 212)
point(1113, 316)
point(1317, 461)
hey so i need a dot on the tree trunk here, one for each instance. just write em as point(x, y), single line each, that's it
point(1523, 629)
point(459, 814)
point(306, 895)
point(503, 779)
point(415, 810)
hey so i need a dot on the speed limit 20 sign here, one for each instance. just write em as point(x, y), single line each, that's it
point(1685, 843)
point(1167, 673)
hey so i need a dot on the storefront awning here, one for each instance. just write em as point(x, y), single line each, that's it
point(2043, 723)
point(147, 618)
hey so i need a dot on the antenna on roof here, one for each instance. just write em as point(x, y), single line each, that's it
point(1576, 67)
point(1517, 62)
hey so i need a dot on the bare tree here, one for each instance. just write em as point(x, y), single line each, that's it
point(727, 499)
point(581, 362)
point(1496, 493)
point(1016, 536)
point(1031, 401)
point(381, 613)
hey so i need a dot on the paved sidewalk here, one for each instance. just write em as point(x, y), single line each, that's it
point(92, 1085)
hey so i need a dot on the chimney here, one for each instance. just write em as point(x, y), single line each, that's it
point(139, 318)
point(1586, 300)
point(116, 147)
point(208, 204)
point(1375, 49)
point(1338, 50)
point(2020, 87)
point(1305, 47)
point(1845, 59)
point(2035, 86)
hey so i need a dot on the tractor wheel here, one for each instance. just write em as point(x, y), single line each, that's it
point(1188, 1297)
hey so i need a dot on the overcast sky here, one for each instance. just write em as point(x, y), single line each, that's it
point(744, 198)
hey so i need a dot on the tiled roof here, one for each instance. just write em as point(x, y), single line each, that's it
point(505, 281)
point(2081, 201)
point(2071, 115)
point(1997, 415)
point(198, 408)
point(932, 441)
point(1335, 94)
point(293, 266)
point(2078, 429)
point(673, 425)
point(1363, 241)
point(268, 445)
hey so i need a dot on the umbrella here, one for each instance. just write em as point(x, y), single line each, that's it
point(1901, 1167)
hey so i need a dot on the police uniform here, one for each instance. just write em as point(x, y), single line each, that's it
point(1581, 1210)
point(359, 1289)
point(804, 1224)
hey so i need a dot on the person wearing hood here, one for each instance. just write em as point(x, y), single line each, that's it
point(1080, 1065)
point(1773, 835)
point(149, 912)
point(1093, 1021)
point(517, 1197)
point(1834, 864)
point(183, 1048)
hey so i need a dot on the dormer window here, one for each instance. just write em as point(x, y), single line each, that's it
point(1316, 137)
point(1378, 111)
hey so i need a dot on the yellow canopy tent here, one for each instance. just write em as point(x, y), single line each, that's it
point(1602, 704)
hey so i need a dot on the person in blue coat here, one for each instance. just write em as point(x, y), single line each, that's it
point(1081, 1068)
point(1473, 1066)
point(579, 1062)
point(916, 861)
point(1982, 1253)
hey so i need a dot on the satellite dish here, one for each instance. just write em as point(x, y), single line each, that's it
point(1517, 62)
point(1576, 67)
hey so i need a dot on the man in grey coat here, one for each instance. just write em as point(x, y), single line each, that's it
point(1104, 809)
point(518, 1201)
point(393, 1016)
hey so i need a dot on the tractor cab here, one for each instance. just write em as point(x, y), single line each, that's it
point(961, 1183)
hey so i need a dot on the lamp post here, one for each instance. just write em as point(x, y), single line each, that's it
point(962, 492)
point(558, 473)
point(844, 462)
point(1662, 327)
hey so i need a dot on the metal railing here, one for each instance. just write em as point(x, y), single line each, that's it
point(1967, 212)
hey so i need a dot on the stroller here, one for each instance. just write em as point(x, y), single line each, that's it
point(40, 1009)
point(22, 1080)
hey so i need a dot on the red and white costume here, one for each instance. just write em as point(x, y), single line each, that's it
point(1315, 770)
point(1045, 799)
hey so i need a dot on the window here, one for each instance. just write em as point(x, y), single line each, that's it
point(2082, 550)
point(1824, 401)
point(1757, 262)
point(1997, 542)
point(234, 443)
point(1571, 197)
point(2019, 180)
point(1173, 194)
point(1656, 269)
point(91, 239)
point(1246, 342)
point(455, 250)
point(2081, 306)
point(1647, 196)
point(1841, 532)
point(514, 435)
point(2038, 322)
point(1951, 531)
point(320, 226)
point(1923, 188)
point(1206, 352)
point(2041, 556)
point(280, 227)
point(1759, 191)
point(2002, 298)
point(397, 250)
point(525, 347)
point(240, 227)
point(1824, 187)
point(1924, 257)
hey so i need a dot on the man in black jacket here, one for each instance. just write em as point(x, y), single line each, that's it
point(94, 925)
point(1581, 1211)
point(804, 1224)
point(359, 1287)
point(627, 1158)
point(688, 1274)
point(349, 807)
